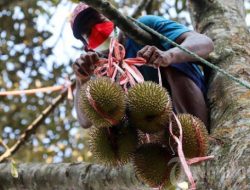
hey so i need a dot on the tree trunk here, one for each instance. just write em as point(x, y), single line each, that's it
point(224, 22)
point(68, 177)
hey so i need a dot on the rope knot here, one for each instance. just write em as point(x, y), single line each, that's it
point(116, 63)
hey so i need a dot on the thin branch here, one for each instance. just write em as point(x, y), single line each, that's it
point(142, 5)
point(4, 145)
point(178, 10)
point(31, 129)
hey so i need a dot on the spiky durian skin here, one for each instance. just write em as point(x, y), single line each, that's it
point(154, 165)
point(113, 146)
point(109, 98)
point(195, 136)
point(149, 107)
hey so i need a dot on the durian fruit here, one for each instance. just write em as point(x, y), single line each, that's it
point(113, 146)
point(195, 136)
point(155, 166)
point(149, 107)
point(109, 100)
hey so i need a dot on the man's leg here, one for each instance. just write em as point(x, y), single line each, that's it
point(186, 95)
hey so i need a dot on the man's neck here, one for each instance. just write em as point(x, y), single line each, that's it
point(122, 38)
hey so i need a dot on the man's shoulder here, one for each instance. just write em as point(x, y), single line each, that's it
point(151, 19)
point(159, 22)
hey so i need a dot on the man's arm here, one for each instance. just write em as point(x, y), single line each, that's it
point(198, 43)
point(193, 41)
point(81, 116)
point(83, 69)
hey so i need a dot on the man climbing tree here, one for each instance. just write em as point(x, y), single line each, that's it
point(229, 103)
point(181, 76)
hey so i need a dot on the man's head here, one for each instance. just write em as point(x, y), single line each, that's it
point(83, 18)
point(90, 26)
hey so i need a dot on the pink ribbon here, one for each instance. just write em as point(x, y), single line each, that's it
point(180, 151)
point(108, 118)
point(116, 62)
point(67, 85)
point(185, 163)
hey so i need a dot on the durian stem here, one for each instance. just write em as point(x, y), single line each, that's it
point(147, 137)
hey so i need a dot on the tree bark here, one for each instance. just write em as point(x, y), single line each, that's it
point(225, 23)
point(72, 176)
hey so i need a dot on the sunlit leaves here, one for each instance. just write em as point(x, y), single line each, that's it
point(23, 65)
point(180, 5)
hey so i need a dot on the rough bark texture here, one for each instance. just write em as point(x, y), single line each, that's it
point(68, 177)
point(224, 22)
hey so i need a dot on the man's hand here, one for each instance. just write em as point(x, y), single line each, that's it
point(84, 66)
point(155, 57)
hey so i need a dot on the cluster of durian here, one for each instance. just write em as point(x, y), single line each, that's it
point(134, 127)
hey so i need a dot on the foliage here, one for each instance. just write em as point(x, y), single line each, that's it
point(25, 64)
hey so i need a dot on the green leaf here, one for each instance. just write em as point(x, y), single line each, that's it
point(14, 171)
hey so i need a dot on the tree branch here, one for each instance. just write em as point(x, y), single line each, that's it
point(31, 129)
point(69, 176)
point(142, 5)
point(6, 3)
point(3, 144)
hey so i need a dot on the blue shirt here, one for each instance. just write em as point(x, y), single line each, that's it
point(172, 30)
